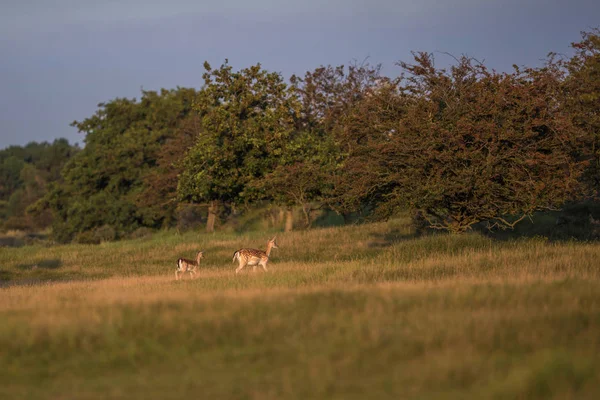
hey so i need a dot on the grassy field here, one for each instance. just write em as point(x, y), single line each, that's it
point(368, 311)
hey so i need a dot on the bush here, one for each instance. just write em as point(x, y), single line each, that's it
point(140, 233)
point(86, 237)
point(25, 224)
point(105, 233)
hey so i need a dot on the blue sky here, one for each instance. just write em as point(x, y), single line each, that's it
point(60, 58)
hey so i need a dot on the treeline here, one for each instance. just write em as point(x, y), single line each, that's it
point(26, 173)
point(458, 146)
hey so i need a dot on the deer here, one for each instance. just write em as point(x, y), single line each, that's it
point(254, 257)
point(184, 265)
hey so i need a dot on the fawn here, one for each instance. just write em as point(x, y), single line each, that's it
point(184, 265)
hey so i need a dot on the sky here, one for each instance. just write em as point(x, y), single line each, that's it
point(60, 58)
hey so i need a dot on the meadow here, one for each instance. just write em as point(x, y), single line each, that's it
point(362, 311)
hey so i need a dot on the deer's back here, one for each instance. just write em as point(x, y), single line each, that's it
point(252, 254)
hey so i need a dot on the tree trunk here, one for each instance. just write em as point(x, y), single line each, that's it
point(346, 217)
point(289, 219)
point(212, 216)
point(306, 215)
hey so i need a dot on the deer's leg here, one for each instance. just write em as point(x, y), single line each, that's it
point(176, 275)
point(238, 269)
point(264, 266)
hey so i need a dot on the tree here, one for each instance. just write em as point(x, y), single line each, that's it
point(466, 146)
point(294, 184)
point(324, 139)
point(371, 117)
point(158, 197)
point(10, 175)
point(300, 177)
point(103, 184)
point(25, 173)
point(247, 117)
point(582, 100)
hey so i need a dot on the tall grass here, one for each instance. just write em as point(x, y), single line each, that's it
point(369, 311)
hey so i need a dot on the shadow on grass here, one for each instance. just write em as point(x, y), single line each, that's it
point(44, 264)
point(23, 239)
point(373, 275)
point(37, 273)
point(22, 282)
point(11, 241)
point(579, 221)
point(387, 239)
point(8, 279)
point(5, 276)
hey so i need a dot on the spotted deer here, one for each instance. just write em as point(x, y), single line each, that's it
point(184, 265)
point(254, 257)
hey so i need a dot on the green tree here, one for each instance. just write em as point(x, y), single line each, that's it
point(247, 117)
point(311, 166)
point(10, 175)
point(25, 173)
point(104, 182)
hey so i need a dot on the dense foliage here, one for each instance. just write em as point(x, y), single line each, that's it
point(110, 184)
point(465, 145)
point(582, 100)
point(247, 119)
point(26, 172)
point(458, 146)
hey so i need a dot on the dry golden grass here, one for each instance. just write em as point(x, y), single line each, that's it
point(358, 312)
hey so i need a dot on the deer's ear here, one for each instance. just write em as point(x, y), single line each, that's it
point(274, 237)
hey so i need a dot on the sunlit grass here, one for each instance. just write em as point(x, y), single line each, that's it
point(366, 311)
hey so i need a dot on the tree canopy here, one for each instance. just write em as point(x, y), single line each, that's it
point(466, 145)
point(26, 172)
point(459, 146)
point(106, 181)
